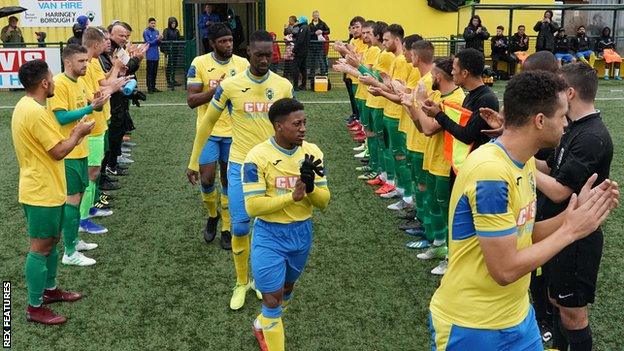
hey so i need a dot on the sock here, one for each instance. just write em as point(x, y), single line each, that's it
point(226, 222)
point(87, 200)
point(209, 197)
point(286, 300)
point(272, 327)
point(374, 155)
point(580, 340)
point(404, 175)
point(560, 341)
point(51, 265)
point(71, 222)
point(383, 176)
point(408, 199)
point(97, 193)
point(584, 60)
point(391, 182)
point(380, 153)
point(616, 72)
point(592, 59)
point(35, 271)
point(438, 242)
point(240, 251)
point(389, 164)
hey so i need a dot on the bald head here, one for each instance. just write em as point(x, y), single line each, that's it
point(119, 34)
point(542, 60)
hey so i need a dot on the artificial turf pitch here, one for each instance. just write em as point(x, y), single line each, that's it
point(158, 286)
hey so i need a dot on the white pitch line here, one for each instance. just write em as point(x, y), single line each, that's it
point(304, 102)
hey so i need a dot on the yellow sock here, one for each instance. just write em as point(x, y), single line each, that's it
point(226, 223)
point(273, 331)
point(584, 60)
point(210, 202)
point(240, 251)
point(592, 60)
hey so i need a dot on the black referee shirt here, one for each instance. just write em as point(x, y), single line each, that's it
point(585, 149)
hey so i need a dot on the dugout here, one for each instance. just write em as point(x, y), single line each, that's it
point(593, 16)
point(250, 13)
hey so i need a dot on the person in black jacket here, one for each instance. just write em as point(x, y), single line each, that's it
point(563, 48)
point(500, 51)
point(475, 34)
point(77, 38)
point(546, 30)
point(605, 48)
point(468, 68)
point(582, 47)
point(120, 121)
point(519, 44)
point(319, 32)
point(302, 41)
point(172, 50)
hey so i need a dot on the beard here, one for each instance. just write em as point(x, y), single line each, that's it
point(435, 85)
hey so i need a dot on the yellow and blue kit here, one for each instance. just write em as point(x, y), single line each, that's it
point(205, 71)
point(248, 99)
point(493, 196)
point(283, 228)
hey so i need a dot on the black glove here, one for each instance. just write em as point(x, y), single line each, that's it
point(136, 97)
point(308, 169)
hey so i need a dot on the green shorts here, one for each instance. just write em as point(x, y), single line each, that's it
point(96, 150)
point(77, 175)
point(396, 140)
point(43, 222)
point(377, 119)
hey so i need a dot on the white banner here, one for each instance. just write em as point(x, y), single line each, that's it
point(59, 13)
point(12, 59)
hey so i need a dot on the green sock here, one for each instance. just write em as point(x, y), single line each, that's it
point(405, 177)
point(52, 265)
point(71, 223)
point(442, 198)
point(381, 165)
point(374, 155)
point(389, 164)
point(35, 271)
point(87, 200)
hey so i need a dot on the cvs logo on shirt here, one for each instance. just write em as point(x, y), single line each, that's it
point(213, 83)
point(526, 214)
point(286, 182)
point(251, 107)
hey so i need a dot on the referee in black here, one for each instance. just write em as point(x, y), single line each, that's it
point(585, 149)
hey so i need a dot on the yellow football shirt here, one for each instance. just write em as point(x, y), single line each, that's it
point(401, 70)
point(92, 79)
point(70, 95)
point(248, 99)
point(383, 64)
point(369, 59)
point(434, 160)
point(35, 131)
point(270, 170)
point(205, 70)
point(417, 141)
point(493, 196)
point(360, 48)
point(405, 123)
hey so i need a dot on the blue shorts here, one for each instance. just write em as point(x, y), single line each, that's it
point(279, 253)
point(522, 337)
point(236, 199)
point(564, 57)
point(216, 149)
point(586, 54)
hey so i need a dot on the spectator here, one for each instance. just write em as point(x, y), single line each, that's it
point(288, 46)
point(605, 48)
point(546, 30)
point(172, 49)
point(475, 34)
point(41, 36)
point(11, 35)
point(583, 47)
point(319, 35)
point(206, 19)
point(290, 27)
point(83, 21)
point(236, 26)
point(500, 52)
point(277, 54)
point(519, 45)
point(302, 41)
point(152, 37)
point(77, 29)
point(563, 48)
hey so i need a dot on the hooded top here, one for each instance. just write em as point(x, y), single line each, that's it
point(172, 32)
point(302, 38)
point(77, 38)
point(605, 41)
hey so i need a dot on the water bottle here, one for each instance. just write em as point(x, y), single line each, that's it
point(129, 87)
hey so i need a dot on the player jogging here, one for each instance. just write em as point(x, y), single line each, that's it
point(495, 243)
point(248, 96)
point(204, 76)
point(283, 180)
point(40, 149)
